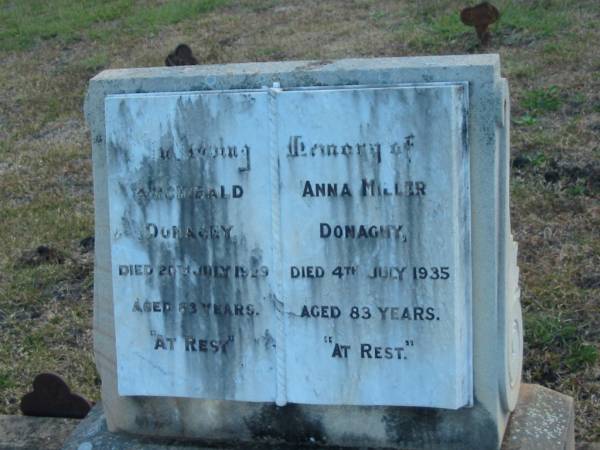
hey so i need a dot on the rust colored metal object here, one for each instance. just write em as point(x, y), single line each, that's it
point(182, 56)
point(480, 16)
point(51, 397)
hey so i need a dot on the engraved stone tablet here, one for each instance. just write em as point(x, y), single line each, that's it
point(191, 244)
point(348, 207)
point(375, 241)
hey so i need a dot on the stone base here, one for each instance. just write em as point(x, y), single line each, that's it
point(543, 420)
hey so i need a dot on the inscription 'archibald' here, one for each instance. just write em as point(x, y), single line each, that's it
point(172, 192)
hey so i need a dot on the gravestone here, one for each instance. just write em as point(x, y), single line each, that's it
point(307, 252)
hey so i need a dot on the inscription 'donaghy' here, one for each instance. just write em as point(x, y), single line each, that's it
point(304, 245)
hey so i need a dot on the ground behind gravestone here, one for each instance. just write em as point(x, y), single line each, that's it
point(549, 52)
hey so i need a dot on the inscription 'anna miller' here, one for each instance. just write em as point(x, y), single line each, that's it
point(368, 188)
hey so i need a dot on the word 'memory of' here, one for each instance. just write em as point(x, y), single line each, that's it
point(373, 150)
point(297, 147)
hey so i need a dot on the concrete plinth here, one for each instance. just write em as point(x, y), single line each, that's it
point(543, 419)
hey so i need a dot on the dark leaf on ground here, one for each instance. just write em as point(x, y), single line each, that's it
point(588, 281)
point(520, 162)
point(41, 255)
point(182, 56)
point(552, 176)
point(87, 244)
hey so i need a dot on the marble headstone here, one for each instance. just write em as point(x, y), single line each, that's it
point(323, 244)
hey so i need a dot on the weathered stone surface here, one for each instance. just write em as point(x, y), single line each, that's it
point(198, 229)
point(34, 433)
point(542, 420)
point(388, 226)
point(380, 261)
point(93, 434)
point(493, 331)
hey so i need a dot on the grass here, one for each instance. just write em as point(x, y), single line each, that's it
point(542, 19)
point(49, 50)
point(95, 62)
point(549, 334)
point(542, 100)
point(26, 23)
point(526, 119)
